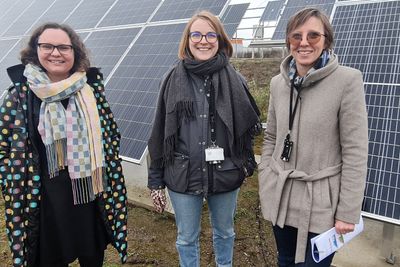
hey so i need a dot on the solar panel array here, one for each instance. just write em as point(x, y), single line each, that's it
point(368, 38)
point(133, 41)
point(292, 6)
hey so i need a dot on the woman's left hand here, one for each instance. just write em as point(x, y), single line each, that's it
point(343, 227)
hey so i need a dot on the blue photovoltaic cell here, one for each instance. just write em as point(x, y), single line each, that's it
point(232, 17)
point(367, 38)
point(130, 12)
point(181, 9)
point(272, 11)
point(107, 47)
point(292, 6)
point(382, 193)
point(88, 13)
point(134, 86)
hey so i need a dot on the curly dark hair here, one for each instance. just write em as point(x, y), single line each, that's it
point(81, 58)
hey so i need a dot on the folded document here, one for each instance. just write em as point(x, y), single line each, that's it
point(328, 242)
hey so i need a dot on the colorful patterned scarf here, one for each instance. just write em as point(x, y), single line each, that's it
point(72, 137)
point(321, 62)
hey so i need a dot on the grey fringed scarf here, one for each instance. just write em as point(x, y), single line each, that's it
point(233, 104)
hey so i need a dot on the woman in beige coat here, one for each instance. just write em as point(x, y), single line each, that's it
point(314, 158)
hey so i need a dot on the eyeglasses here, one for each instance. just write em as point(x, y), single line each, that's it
point(312, 38)
point(49, 48)
point(196, 37)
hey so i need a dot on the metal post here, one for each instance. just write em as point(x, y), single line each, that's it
point(387, 243)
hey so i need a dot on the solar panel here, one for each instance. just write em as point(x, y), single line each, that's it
point(88, 13)
point(382, 194)
point(11, 58)
point(130, 12)
point(57, 12)
point(232, 17)
point(368, 38)
point(107, 47)
point(292, 7)
point(181, 9)
point(5, 46)
point(133, 88)
point(11, 10)
point(25, 19)
point(272, 11)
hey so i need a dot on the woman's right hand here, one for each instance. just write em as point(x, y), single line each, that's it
point(159, 199)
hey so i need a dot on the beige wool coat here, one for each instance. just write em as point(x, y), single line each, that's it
point(325, 177)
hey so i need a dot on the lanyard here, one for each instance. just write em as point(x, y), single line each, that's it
point(288, 144)
point(211, 113)
point(292, 111)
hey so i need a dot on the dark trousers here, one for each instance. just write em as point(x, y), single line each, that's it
point(84, 261)
point(286, 239)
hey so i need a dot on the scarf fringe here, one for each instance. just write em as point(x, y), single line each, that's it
point(82, 190)
point(97, 176)
point(56, 155)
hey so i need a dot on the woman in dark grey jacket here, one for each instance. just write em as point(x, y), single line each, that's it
point(200, 146)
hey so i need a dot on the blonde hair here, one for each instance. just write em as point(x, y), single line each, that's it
point(223, 40)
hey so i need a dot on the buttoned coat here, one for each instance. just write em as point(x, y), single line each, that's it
point(324, 179)
point(20, 180)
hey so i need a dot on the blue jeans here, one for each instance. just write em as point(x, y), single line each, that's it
point(188, 209)
point(286, 239)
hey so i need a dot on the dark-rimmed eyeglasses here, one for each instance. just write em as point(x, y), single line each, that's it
point(49, 48)
point(196, 37)
point(312, 38)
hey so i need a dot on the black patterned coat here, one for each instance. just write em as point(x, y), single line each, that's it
point(20, 181)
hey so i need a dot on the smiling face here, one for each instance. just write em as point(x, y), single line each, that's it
point(202, 50)
point(57, 65)
point(304, 53)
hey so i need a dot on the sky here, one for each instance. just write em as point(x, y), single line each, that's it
point(251, 19)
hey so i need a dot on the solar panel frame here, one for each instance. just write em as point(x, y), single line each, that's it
point(28, 17)
point(16, 8)
point(88, 14)
point(181, 9)
point(134, 86)
point(232, 17)
point(272, 10)
point(292, 6)
point(107, 47)
point(367, 38)
point(129, 12)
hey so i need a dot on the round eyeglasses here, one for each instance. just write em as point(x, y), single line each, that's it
point(196, 37)
point(312, 38)
point(49, 48)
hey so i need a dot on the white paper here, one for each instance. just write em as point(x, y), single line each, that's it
point(328, 242)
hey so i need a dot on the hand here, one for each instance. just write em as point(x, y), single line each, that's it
point(343, 227)
point(159, 199)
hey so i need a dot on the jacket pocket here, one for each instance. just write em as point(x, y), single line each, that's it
point(175, 175)
point(227, 176)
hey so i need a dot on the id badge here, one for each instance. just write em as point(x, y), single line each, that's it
point(214, 154)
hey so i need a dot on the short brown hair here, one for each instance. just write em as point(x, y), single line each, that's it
point(302, 16)
point(223, 40)
point(81, 59)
